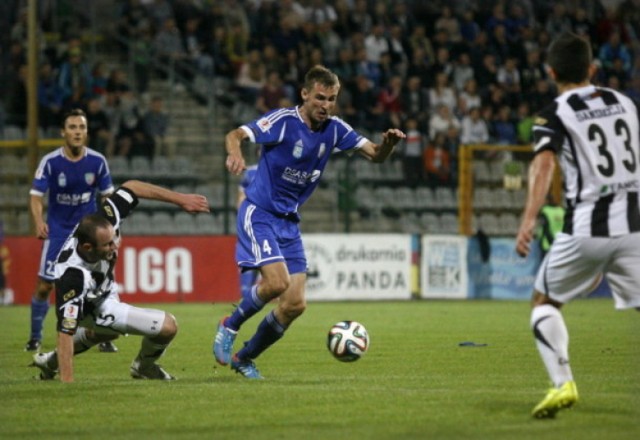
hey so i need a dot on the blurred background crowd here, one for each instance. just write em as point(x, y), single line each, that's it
point(449, 73)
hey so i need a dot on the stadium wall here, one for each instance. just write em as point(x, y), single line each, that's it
point(341, 267)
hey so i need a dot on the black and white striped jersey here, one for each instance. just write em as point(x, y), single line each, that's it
point(595, 133)
point(80, 283)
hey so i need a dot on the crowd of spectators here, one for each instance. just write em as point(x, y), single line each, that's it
point(123, 119)
point(448, 72)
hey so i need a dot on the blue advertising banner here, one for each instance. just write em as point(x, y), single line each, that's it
point(504, 274)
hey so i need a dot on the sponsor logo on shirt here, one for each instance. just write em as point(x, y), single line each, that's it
point(70, 294)
point(70, 311)
point(300, 177)
point(73, 199)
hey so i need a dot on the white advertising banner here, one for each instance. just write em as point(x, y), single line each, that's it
point(443, 269)
point(358, 266)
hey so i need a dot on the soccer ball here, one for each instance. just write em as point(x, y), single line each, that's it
point(348, 341)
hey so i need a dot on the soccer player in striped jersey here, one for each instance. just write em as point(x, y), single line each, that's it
point(296, 145)
point(88, 307)
point(72, 175)
point(594, 133)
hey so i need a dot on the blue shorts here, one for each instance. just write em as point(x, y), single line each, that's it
point(50, 250)
point(264, 238)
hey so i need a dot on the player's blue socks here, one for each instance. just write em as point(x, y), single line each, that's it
point(39, 310)
point(247, 280)
point(249, 306)
point(269, 331)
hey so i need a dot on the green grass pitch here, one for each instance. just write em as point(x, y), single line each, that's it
point(415, 382)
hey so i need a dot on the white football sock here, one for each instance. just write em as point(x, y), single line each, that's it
point(552, 340)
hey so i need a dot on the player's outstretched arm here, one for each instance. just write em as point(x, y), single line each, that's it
point(188, 202)
point(378, 153)
point(540, 176)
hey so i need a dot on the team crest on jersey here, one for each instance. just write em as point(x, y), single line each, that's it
point(69, 323)
point(90, 178)
point(108, 211)
point(62, 180)
point(264, 124)
point(297, 150)
point(70, 294)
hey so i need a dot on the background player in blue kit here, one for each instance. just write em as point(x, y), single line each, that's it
point(296, 145)
point(72, 176)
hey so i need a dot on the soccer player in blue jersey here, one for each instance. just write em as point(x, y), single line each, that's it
point(72, 175)
point(296, 145)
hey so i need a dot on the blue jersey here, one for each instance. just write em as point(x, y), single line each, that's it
point(72, 188)
point(248, 176)
point(293, 157)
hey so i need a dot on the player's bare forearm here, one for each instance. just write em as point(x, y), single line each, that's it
point(233, 142)
point(188, 202)
point(64, 351)
point(36, 206)
point(540, 177)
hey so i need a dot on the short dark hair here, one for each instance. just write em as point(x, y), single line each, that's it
point(570, 56)
point(89, 224)
point(322, 75)
point(71, 113)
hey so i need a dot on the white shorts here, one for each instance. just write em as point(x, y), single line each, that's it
point(114, 317)
point(574, 265)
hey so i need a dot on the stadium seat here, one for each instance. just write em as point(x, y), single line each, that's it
point(386, 197)
point(509, 224)
point(449, 224)
point(405, 198)
point(430, 222)
point(138, 223)
point(182, 167)
point(446, 198)
point(208, 224)
point(161, 167)
point(425, 198)
point(140, 167)
point(185, 223)
point(489, 223)
point(162, 223)
point(119, 167)
point(410, 223)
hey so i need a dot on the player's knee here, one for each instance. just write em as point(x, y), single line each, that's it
point(293, 310)
point(169, 327)
point(274, 287)
point(539, 299)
